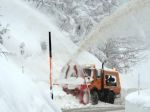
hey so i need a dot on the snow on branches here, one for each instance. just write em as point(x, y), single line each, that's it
point(121, 53)
point(3, 31)
point(77, 17)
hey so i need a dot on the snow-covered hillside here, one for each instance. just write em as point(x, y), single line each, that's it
point(18, 93)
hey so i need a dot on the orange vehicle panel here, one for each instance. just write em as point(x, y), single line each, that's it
point(97, 82)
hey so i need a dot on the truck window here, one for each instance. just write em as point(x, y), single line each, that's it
point(87, 72)
point(110, 80)
point(98, 73)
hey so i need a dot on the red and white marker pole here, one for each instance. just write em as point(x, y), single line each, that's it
point(50, 58)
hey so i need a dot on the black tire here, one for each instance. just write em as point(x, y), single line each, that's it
point(102, 96)
point(110, 97)
point(94, 97)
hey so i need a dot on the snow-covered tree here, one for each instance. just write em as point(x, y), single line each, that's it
point(121, 53)
point(1, 39)
point(43, 46)
point(22, 48)
point(77, 17)
point(3, 31)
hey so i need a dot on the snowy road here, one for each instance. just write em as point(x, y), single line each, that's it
point(98, 109)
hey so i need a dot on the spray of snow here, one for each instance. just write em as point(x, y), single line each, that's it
point(115, 25)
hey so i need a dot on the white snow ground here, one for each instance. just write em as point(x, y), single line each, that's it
point(138, 101)
point(18, 93)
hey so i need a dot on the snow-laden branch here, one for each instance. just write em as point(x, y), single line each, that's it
point(121, 53)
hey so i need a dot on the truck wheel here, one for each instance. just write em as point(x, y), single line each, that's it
point(102, 96)
point(110, 97)
point(85, 97)
point(94, 97)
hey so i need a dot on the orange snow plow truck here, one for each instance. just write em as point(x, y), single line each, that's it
point(94, 84)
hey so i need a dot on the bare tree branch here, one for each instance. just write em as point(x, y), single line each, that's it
point(121, 53)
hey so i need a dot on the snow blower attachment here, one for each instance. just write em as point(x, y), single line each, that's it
point(50, 58)
point(97, 84)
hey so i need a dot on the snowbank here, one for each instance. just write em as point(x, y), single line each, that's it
point(138, 103)
point(18, 93)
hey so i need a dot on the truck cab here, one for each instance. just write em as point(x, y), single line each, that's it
point(104, 85)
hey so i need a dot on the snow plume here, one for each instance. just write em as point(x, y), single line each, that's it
point(119, 24)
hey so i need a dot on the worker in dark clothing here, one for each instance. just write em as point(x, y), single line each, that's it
point(111, 79)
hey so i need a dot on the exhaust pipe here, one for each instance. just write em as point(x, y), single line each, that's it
point(103, 65)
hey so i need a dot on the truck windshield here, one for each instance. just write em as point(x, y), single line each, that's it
point(87, 72)
point(110, 80)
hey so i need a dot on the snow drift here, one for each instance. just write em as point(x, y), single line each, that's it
point(138, 102)
point(18, 93)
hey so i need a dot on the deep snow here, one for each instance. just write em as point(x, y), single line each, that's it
point(18, 93)
point(138, 101)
